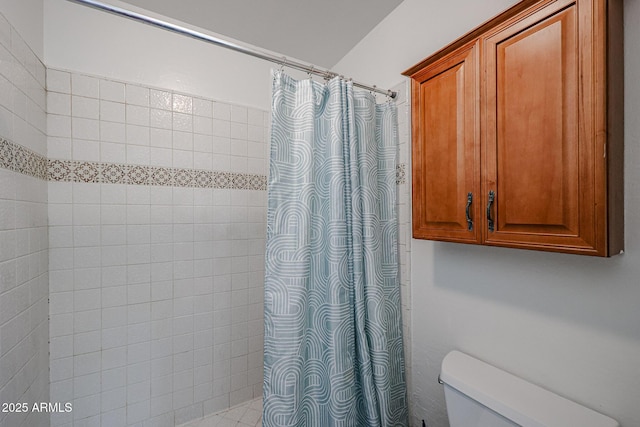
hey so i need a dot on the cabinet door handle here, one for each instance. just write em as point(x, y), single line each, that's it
point(466, 209)
point(489, 219)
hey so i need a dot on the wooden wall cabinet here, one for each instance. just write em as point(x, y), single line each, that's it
point(517, 131)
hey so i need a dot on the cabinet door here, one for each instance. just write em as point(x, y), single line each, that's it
point(446, 149)
point(539, 145)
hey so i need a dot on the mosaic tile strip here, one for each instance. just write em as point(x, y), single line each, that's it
point(17, 158)
point(20, 159)
point(401, 173)
point(114, 173)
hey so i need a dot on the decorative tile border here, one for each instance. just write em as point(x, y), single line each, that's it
point(20, 159)
point(401, 173)
point(113, 173)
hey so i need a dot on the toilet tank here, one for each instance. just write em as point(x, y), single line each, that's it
point(481, 395)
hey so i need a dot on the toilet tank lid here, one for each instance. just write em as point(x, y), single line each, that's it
point(514, 398)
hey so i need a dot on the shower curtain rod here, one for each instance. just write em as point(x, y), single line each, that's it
point(283, 61)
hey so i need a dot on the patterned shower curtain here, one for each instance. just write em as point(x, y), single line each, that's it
point(333, 330)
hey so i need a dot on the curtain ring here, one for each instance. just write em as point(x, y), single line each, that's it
point(310, 72)
point(283, 63)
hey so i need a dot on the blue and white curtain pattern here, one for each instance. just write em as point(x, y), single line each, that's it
point(333, 330)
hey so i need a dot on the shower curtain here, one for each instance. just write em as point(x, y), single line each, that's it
point(333, 330)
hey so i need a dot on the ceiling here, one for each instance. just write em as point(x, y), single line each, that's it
point(318, 32)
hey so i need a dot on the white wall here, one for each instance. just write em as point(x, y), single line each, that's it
point(26, 16)
point(566, 322)
point(93, 42)
point(413, 31)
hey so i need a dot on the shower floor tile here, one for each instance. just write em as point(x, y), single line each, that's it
point(247, 414)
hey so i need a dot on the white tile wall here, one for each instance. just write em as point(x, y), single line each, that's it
point(156, 292)
point(95, 119)
point(23, 102)
point(404, 224)
point(23, 236)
